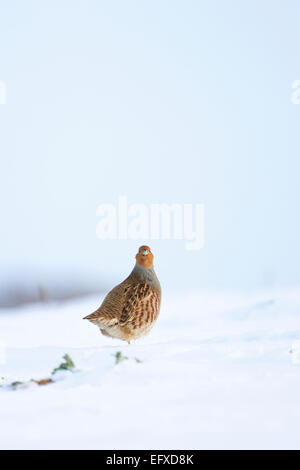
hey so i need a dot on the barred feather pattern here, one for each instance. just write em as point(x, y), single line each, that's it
point(130, 310)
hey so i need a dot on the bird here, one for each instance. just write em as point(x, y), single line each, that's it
point(130, 309)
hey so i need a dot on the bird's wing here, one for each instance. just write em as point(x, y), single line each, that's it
point(109, 312)
point(120, 304)
point(135, 295)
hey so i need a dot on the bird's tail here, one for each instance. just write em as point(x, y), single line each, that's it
point(101, 320)
point(93, 317)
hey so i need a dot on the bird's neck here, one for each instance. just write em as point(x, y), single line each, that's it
point(145, 275)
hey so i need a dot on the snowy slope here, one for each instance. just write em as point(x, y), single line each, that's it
point(217, 371)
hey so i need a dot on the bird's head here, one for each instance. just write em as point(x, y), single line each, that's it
point(144, 257)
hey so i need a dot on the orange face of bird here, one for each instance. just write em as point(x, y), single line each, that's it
point(144, 257)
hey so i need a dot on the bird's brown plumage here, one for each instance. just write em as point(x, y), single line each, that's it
point(131, 308)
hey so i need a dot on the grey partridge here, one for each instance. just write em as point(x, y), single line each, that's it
point(130, 309)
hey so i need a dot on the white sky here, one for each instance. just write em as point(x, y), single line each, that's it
point(161, 101)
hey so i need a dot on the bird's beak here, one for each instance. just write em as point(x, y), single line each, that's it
point(145, 252)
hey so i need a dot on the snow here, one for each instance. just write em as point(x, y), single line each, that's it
point(219, 370)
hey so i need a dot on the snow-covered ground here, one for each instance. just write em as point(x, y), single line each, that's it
point(218, 370)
